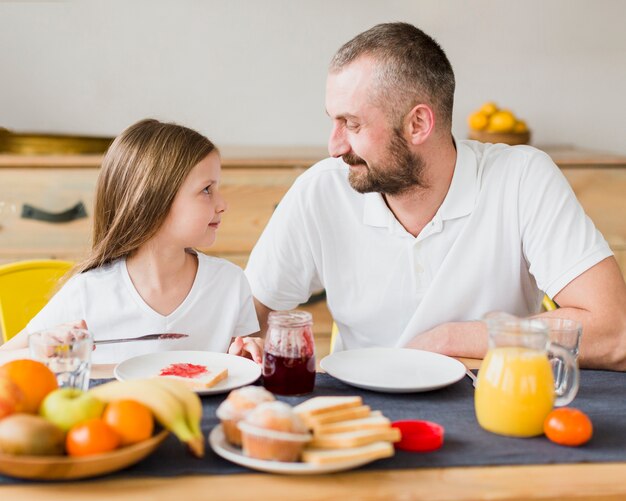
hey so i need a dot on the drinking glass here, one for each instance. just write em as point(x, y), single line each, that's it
point(66, 351)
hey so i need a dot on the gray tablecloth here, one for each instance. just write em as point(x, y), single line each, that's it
point(602, 396)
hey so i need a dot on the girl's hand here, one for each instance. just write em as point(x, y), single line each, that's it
point(248, 347)
point(70, 331)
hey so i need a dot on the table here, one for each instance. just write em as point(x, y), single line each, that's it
point(601, 481)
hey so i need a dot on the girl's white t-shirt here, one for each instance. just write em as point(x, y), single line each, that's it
point(218, 307)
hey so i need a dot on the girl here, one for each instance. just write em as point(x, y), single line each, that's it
point(157, 198)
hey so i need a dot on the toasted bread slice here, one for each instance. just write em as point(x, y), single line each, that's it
point(334, 416)
point(375, 450)
point(203, 381)
point(374, 421)
point(320, 405)
point(355, 438)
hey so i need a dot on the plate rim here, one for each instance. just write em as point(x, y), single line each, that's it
point(215, 390)
point(217, 438)
point(395, 389)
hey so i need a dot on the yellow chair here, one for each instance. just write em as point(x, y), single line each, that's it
point(25, 288)
point(548, 304)
point(334, 332)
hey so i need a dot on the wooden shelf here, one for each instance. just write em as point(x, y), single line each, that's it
point(304, 156)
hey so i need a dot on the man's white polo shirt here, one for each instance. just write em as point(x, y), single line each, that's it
point(509, 228)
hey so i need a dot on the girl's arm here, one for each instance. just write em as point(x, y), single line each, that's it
point(20, 340)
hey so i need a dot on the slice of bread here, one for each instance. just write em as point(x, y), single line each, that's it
point(355, 438)
point(334, 416)
point(375, 450)
point(320, 405)
point(374, 421)
point(203, 381)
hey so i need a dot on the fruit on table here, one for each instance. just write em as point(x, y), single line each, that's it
point(93, 436)
point(33, 378)
point(490, 118)
point(175, 412)
point(131, 420)
point(568, 426)
point(501, 121)
point(66, 407)
point(11, 397)
point(188, 399)
point(26, 434)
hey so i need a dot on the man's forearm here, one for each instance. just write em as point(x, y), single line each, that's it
point(603, 343)
point(455, 339)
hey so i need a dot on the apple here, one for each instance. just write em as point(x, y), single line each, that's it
point(66, 407)
point(11, 397)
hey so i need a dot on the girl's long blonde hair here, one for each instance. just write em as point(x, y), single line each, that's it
point(142, 171)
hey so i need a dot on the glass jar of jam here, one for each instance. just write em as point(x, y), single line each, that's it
point(289, 353)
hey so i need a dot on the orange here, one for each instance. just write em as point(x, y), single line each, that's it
point(520, 127)
point(89, 437)
point(131, 420)
point(11, 397)
point(568, 426)
point(501, 121)
point(489, 108)
point(478, 120)
point(33, 378)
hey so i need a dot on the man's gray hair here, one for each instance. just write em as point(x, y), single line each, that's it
point(411, 69)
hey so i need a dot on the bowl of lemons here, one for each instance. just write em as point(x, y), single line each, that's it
point(491, 124)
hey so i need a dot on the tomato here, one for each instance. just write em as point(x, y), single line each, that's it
point(93, 436)
point(567, 426)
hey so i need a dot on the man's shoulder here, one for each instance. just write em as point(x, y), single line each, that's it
point(328, 171)
point(505, 162)
point(501, 153)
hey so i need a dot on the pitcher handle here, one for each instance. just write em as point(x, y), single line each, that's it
point(566, 392)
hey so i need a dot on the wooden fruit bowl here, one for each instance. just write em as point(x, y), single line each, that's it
point(511, 138)
point(68, 468)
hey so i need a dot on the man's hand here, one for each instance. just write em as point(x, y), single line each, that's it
point(248, 347)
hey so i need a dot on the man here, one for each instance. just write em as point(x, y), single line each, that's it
point(415, 236)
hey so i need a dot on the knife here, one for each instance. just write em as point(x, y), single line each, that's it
point(148, 337)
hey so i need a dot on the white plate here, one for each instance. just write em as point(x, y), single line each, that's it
point(241, 371)
point(221, 447)
point(393, 370)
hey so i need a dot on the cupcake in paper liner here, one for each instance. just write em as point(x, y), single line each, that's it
point(272, 431)
point(236, 406)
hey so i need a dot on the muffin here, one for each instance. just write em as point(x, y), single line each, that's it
point(239, 403)
point(272, 431)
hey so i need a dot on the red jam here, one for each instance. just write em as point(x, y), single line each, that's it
point(183, 370)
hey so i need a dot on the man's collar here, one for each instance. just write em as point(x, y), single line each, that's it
point(461, 195)
point(459, 200)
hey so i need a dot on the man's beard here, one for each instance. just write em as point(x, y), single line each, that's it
point(400, 171)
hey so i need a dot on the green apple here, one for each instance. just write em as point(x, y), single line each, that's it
point(66, 407)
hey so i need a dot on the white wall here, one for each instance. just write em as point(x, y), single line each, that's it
point(253, 71)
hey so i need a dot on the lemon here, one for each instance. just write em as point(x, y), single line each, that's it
point(501, 121)
point(520, 127)
point(489, 108)
point(478, 120)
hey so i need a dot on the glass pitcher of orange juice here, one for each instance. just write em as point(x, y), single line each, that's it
point(515, 388)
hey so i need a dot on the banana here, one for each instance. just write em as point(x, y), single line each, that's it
point(188, 398)
point(167, 409)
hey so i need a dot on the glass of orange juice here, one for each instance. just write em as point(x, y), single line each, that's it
point(515, 389)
